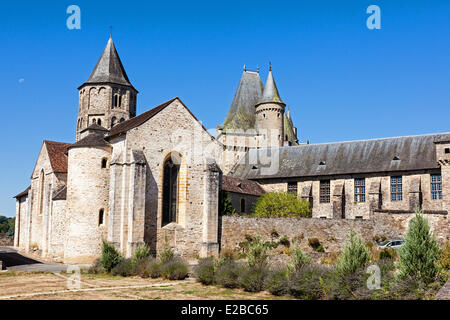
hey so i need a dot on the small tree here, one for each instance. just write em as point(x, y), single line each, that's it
point(281, 204)
point(298, 257)
point(225, 205)
point(420, 253)
point(354, 256)
point(110, 256)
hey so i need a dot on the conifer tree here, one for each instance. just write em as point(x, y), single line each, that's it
point(354, 256)
point(420, 253)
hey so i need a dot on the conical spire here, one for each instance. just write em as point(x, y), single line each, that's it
point(241, 115)
point(109, 68)
point(270, 93)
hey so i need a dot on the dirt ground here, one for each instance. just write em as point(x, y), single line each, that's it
point(49, 286)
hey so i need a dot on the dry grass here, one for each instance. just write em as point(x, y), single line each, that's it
point(48, 286)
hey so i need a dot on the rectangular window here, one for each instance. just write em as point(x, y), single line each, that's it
point(292, 187)
point(436, 187)
point(396, 188)
point(360, 190)
point(324, 191)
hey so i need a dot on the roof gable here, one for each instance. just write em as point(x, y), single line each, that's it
point(236, 185)
point(144, 117)
point(57, 153)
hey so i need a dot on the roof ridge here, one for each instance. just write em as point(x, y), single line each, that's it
point(362, 140)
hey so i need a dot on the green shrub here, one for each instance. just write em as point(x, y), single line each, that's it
point(257, 254)
point(420, 253)
point(205, 271)
point(320, 249)
point(110, 256)
point(445, 256)
point(314, 243)
point(125, 268)
point(387, 253)
point(306, 282)
point(142, 251)
point(175, 269)
point(285, 242)
point(298, 258)
point(253, 278)
point(148, 267)
point(167, 254)
point(348, 286)
point(227, 274)
point(281, 204)
point(96, 267)
point(277, 282)
point(354, 256)
point(225, 205)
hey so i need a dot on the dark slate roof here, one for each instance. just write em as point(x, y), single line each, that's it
point(352, 157)
point(270, 93)
point(23, 193)
point(95, 127)
point(289, 129)
point(57, 154)
point(61, 194)
point(91, 140)
point(241, 114)
point(109, 68)
point(236, 185)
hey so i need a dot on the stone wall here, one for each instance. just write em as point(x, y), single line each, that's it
point(342, 193)
point(332, 233)
point(157, 139)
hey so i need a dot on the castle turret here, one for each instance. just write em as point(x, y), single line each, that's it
point(107, 97)
point(270, 115)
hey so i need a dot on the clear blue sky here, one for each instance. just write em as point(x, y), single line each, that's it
point(341, 80)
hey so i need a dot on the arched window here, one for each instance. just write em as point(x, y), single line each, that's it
point(101, 217)
point(94, 120)
point(122, 120)
point(113, 121)
point(41, 191)
point(99, 122)
point(104, 163)
point(170, 191)
point(242, 205)
point(120, 101)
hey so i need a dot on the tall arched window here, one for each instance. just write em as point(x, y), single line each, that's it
point(113, 121)
point(170, 191)
point(104, 163)
point(41, 191)
point(99, 122)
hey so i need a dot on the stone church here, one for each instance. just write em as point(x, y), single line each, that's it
point(156, 177)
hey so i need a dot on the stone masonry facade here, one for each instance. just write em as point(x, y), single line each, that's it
point(156, 178)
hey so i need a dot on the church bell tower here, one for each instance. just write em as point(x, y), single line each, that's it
point(107, 97)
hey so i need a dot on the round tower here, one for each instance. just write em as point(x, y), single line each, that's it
point(270, 115)
point(87, 195)
point(107, 97)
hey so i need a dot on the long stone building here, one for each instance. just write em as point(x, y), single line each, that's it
point(156, 177)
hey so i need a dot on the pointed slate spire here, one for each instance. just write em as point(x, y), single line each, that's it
point(241, 115)
point(270, 93)
point(109, 68)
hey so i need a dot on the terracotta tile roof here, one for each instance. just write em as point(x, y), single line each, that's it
point(57, 154)
point(23, 193)
point(236, 185)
